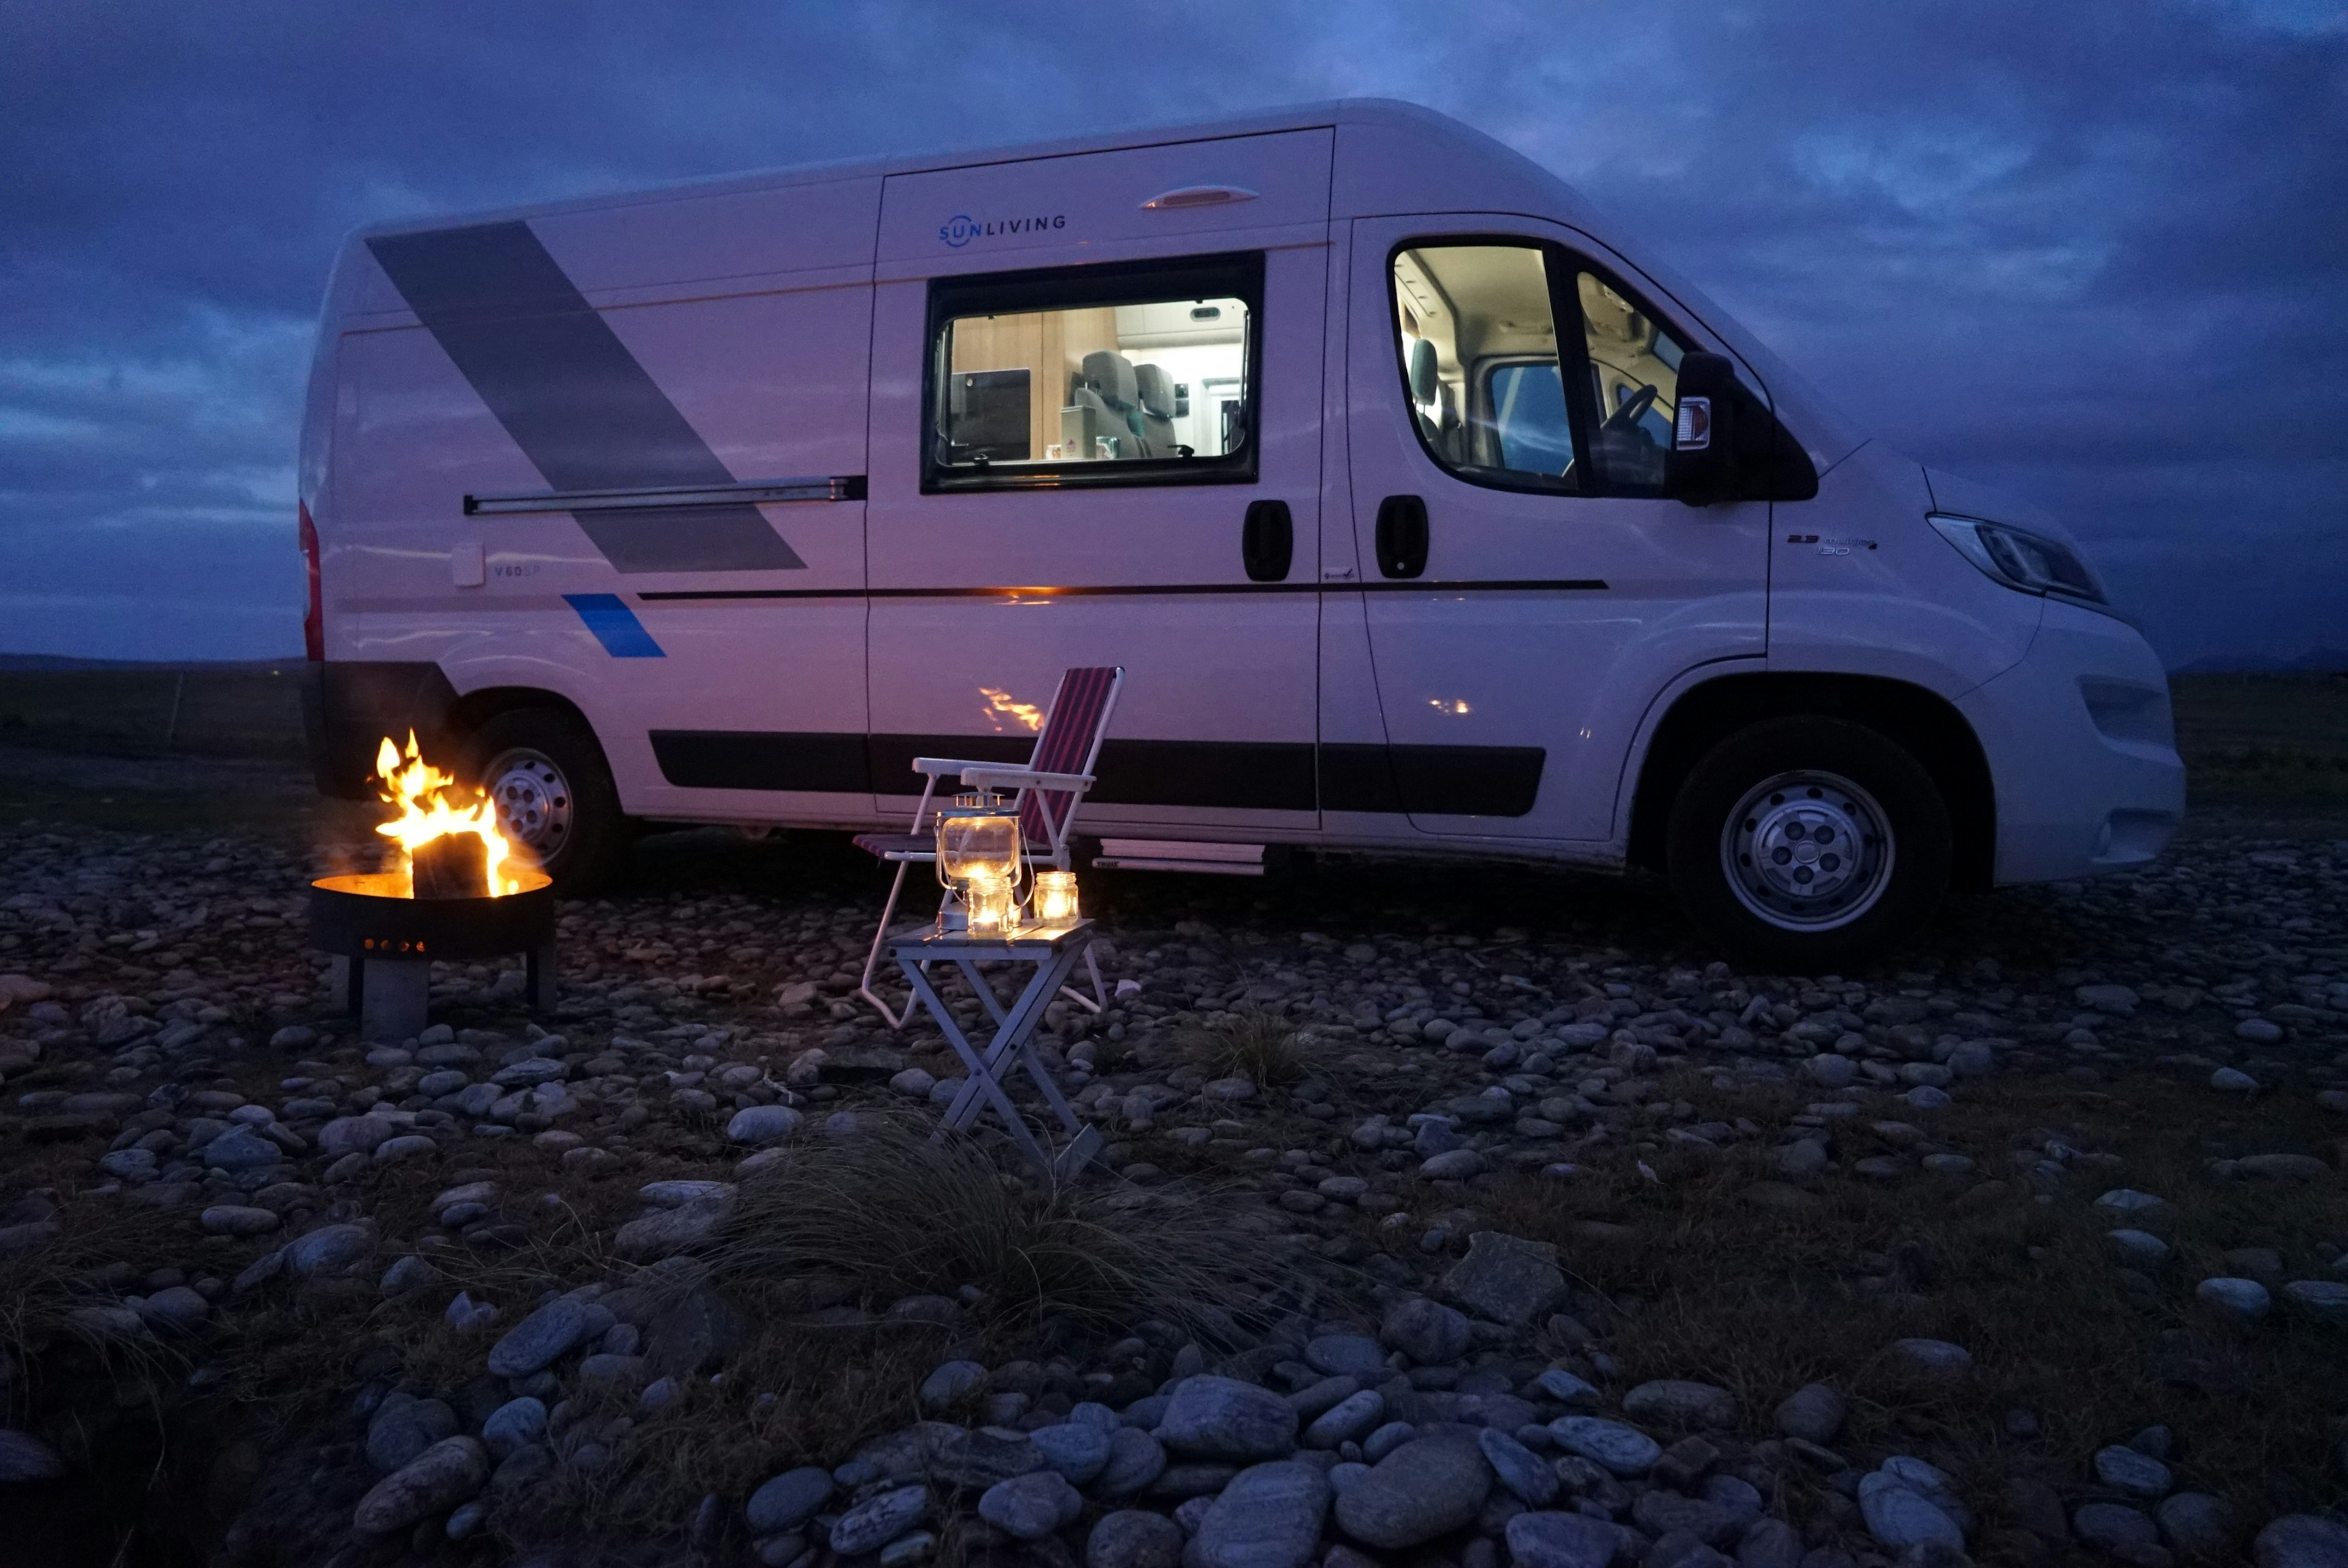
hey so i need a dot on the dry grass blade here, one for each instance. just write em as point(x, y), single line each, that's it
point(46, 1289)
point(1251, 1045)
point(892, 1215)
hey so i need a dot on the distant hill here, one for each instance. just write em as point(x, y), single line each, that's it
point(2319, 661)
point(64, 661)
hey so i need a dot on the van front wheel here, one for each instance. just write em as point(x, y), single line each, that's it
point(1809, 844)
point(547, 777)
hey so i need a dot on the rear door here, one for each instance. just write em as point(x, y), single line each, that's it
point(1087, 370)
point(1528, 588)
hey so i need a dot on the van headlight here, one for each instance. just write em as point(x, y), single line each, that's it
point(2032, 563)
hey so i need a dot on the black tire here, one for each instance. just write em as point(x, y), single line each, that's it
point(1789, 799)
point(553, 792)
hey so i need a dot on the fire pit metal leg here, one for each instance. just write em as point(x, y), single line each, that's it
point(538, 970)
point(395, 998)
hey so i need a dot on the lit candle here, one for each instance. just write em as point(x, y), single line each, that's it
point(1056, 897)
point(987, 896)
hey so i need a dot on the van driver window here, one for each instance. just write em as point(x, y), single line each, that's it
point(1485, 386)
point(1634, 371)
point(1479, 364)
point(1140, 375)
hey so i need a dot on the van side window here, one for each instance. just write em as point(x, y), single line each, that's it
point(1106, 374)
point(1479, 364)
point(1634, 375)
point(1493, 397)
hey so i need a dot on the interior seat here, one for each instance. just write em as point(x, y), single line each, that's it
point(1154, 391)
point(1107, 390)
point(1431, 403)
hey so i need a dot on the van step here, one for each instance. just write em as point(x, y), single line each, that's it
point(1176, 855)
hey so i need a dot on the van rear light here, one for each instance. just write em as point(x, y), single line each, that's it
point(313, 617)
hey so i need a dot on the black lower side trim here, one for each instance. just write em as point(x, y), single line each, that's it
point(1468, 781)
point(350, 705)
point(1231, 775)
point(763, 759)
point(1432, 781)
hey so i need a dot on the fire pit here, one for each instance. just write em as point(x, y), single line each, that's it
point(457, 894)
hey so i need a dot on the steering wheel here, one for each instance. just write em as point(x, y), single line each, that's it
point(1627, 417)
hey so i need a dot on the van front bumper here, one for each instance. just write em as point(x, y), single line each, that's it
point(2082, 750)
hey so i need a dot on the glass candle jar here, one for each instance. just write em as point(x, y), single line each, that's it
point(1056, 897)
point(987, 904)
point(978, 833)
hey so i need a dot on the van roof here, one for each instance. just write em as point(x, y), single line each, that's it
point(1419, 142)
point(1391, 158)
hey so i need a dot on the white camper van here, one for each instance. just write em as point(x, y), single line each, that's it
point(1423, 512)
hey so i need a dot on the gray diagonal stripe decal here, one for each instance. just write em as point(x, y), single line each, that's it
point(573, 397)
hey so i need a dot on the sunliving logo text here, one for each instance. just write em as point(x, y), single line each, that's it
point(962, 229)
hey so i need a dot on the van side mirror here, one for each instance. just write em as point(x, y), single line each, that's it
point(1701, 466)
point(1725, 444)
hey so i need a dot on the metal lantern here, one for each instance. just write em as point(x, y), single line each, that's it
point(989, 908)
point(978, 834)
point(1056, 897)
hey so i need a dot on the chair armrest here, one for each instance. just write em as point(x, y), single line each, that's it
point(938, 767)
point(984, 776)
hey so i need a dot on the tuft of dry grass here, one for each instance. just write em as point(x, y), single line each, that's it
point(1252, 1045)
point(889, 1213)
point(99, 1242)
point(869, 1220)
point(794, 1394)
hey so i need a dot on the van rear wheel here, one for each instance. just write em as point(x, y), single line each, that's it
point(1809, 843)
point(546, 774)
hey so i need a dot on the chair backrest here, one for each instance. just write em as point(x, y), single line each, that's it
point(1069, 742)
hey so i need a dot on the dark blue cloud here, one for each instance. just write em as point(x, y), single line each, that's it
point(2095, 253)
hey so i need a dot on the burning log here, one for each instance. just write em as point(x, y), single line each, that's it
point(453, 865)
point(453, 849)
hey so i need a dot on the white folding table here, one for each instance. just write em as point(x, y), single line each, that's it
point(1055, 950)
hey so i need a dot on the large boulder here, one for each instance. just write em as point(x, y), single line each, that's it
point(1506, 1278)
point(1426, 1488)
point(431, 1484)
point(1268, 1517)
point(1224, 1419)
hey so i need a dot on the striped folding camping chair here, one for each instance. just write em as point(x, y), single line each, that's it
point(1049, 789)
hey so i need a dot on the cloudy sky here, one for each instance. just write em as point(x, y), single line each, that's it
point(2094, 252)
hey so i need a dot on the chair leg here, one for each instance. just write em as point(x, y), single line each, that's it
point(1100, 998)
point(872, 958)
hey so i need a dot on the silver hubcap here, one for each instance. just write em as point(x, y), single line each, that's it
point(1807, 851)
point(532, 798)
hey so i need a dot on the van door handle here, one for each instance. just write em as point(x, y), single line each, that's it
point(1267, 541)
point(1402, 535)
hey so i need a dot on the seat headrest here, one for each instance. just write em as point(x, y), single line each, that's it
point(1111, 374)
point(1156, 390)
point(1422, 381)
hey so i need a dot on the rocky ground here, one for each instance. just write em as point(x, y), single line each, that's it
point(1536, 1232)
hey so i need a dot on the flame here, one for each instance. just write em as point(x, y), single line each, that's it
point(999, 705)
point(419, 791)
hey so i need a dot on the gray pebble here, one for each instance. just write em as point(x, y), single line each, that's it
point(788, 1501)
point(1132, 1538)
point(878, 1520)
point(1269, 1516)
point(1223, 1418)
point(1030, 1507)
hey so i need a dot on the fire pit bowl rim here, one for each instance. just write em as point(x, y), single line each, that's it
point(370, 915)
